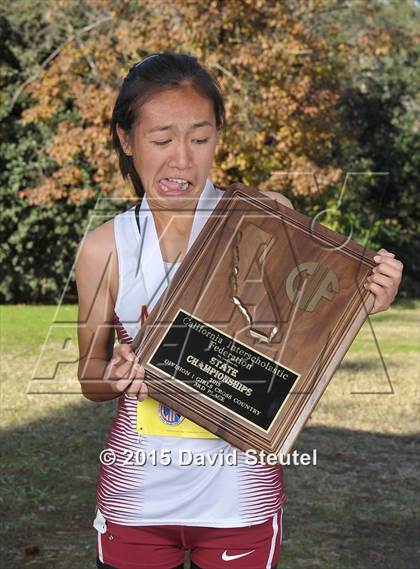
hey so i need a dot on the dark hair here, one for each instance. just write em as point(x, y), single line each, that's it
point(153, 74)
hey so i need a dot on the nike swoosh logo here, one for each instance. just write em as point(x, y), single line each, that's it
point(227, 557)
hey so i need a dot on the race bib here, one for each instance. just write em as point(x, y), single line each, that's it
point(155, 418)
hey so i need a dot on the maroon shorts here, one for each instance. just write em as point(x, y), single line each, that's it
point(162, 547)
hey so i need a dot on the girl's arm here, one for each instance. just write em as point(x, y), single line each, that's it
point(104, 371)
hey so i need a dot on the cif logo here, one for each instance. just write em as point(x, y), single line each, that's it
point(322, 282)
point(169, 416)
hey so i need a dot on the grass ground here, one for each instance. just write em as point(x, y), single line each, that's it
point(357, 509)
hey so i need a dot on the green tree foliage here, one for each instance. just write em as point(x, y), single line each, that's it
point(381, 104)
point(319, 88)
point(37, 244)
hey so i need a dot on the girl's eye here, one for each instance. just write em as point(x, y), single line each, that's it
point(163, 142)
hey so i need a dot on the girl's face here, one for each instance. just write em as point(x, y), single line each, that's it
point(173, 146)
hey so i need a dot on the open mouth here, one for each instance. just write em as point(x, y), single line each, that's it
point(174, 184)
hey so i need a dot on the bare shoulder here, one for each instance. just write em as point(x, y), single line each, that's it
point(96, 254)
point(97, 244)
point(280, 198)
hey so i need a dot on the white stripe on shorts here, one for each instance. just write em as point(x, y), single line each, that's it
point(273, 539)
point(100, 554)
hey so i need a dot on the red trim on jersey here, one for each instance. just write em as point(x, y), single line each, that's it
point(144, 314)
point(122, 334)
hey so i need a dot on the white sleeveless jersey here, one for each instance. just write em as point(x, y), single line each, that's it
point(156, 479)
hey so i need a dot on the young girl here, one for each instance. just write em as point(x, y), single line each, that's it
point(165, 127)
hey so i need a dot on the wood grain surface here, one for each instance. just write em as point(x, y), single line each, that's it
point(279, 284)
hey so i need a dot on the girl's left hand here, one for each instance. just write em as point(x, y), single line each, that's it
point(384, 280)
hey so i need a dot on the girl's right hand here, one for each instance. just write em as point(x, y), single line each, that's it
point(124, 374)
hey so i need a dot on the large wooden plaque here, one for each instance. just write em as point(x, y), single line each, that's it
point(255, 321)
